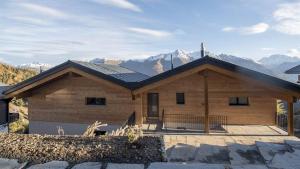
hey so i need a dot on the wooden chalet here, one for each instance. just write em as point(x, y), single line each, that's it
point(204, 95)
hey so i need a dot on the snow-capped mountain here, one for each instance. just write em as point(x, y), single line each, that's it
point(36, 66)
point(278, 59)
point(274, 65)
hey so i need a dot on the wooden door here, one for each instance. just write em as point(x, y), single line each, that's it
point(153, 108)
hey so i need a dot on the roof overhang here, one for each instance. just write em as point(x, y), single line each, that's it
point(208, 63)
point(59, 70)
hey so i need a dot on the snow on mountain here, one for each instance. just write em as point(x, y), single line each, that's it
point(36, 66)
point(106, 61)
point(278, 59)
point(274, 65)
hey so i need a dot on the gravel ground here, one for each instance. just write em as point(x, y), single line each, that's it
point(77, 149)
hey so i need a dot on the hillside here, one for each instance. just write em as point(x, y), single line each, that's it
point(12, 75)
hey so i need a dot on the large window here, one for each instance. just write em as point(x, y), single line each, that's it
point(95, 101)
point(180, 98)
point(238, 101)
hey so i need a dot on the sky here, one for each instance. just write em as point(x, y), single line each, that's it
point(53, 31)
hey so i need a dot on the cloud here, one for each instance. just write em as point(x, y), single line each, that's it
point(287, 18)
point(44, 10)
point(294, 52)
point(124, 4)
point(228, 29)
point(150, 32)
point(30, 20)
point(267, 49)
point(254, 29)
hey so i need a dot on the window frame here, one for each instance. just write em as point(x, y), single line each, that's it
point(182, 99)
point(94, 103)
point(238, 101)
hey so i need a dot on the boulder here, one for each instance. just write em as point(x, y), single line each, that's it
point(51, 165)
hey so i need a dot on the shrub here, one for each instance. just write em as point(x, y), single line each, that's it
point(20, 126)
point(90, 131)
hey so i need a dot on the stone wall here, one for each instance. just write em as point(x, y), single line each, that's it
point(76, 149)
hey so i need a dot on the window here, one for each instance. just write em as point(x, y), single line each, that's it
point(95, 101)
point(180, 98)
point(238, 101)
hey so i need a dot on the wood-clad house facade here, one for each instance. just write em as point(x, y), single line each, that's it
point(195, 95)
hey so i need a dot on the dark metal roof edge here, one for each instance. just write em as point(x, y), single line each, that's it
point(223, 64)
point(37, 77)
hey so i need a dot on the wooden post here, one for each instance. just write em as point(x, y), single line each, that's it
point(206, 102)
point(290, 118)
point(142, 113)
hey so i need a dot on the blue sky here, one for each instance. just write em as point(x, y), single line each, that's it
point(53, 31)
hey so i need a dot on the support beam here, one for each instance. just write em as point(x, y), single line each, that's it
point(290, 118)
point(206, 102)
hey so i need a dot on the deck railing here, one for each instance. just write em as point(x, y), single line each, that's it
point(191, 121)
point(282, 121)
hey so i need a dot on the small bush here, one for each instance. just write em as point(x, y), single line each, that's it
point(20, 126)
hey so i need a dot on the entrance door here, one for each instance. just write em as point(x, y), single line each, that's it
point(153, 105)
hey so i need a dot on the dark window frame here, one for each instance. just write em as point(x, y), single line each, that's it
point(238, 102)
point(180, 98)
point(95, 101)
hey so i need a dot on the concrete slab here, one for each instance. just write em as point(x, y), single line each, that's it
point(51, 165)
point(249, 167)
point(241, 154)
point(185, 166)
point(212, 154)
point(124, 166)
point(88, 165)
point(10, 164)
point(288, 160)
point(269, 150)
point(182, 152)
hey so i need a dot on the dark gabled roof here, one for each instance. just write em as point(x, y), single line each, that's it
point(134, 80)
point(225, 65)
point(293, 70)
point(116, 74)
point(115, 71)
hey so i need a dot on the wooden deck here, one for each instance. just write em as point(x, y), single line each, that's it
point(231, 130)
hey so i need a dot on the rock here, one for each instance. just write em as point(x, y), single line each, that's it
point(182, 152)
point(10, 164)
point(288, 160)
point(51, 165)
point(269, 150)
point(185, 166)
point(249, 167)
point(88, 165)
point(124, 166)
point(242, 154)
point(212, 154)
point(293, 143)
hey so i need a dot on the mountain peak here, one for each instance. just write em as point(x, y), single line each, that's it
point(277, 59)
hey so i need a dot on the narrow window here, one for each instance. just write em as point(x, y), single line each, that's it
point(95, 101)
point(180, 98)
point(238, 101)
